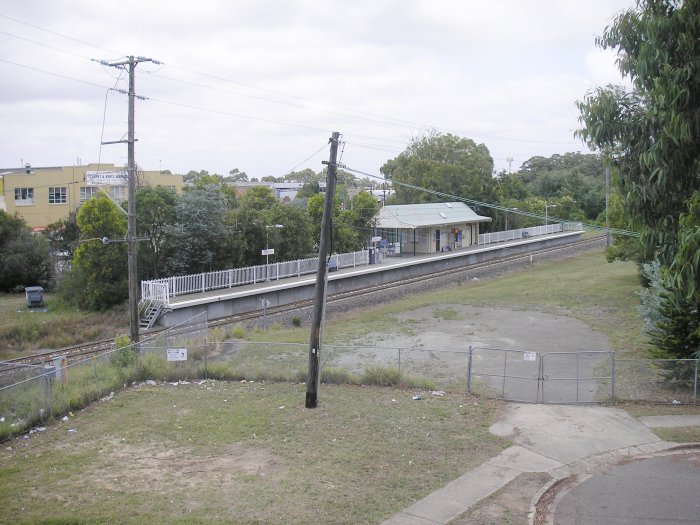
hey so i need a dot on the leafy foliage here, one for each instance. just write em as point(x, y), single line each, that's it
point(442, 163)
point(64, 234)
point(193, 240)
point(24, 258)
point(679, 310)
point(652, 136)
point(155, 212)
point(98, 277)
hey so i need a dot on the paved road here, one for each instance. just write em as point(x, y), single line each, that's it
point(621, 472)
point(660, 489)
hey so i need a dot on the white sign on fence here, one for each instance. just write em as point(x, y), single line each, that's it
point(268, 251)
point(177, 354)
point(530, 356)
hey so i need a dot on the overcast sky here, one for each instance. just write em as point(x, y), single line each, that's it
point(260, 85)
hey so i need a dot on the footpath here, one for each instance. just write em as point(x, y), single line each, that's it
point(606, 466)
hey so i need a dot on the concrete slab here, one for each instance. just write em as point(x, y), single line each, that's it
point(689, 420)
point(524, 460)
point(569, 433)
point(587, 441)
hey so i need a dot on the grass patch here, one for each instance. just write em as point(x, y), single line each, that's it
point(447, 314)
point(678, 434)
point(221, 452)
point(55, 326)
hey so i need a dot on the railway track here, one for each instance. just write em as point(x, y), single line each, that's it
point(97, 347)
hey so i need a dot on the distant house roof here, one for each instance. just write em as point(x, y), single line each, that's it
point(429, 214)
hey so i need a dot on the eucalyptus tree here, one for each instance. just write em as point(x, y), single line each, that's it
point(651, 136)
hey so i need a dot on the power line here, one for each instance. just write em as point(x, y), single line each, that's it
point(373, 117)
point(307, 159)
point(497, 207)
point(66, 77)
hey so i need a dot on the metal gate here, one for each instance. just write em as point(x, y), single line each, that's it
point(534, 377)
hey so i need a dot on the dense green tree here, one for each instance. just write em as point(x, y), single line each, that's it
point(155, 213)
point(295, 239)
point(510, 187)
point(304, 176)
point(579, 176)
point(258, 198)
point(64, 234)
point(623, 247)
point(197, 235)
point(353, 226)
point(238, 176)
point(98, 276)
point(442, 163)
point(652, 137)
point(679, 327)
point(308, 190)
point(24, 258)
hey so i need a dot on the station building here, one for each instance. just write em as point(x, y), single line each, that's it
point(428, 228)
point(42, 196)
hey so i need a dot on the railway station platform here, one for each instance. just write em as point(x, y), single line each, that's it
point(279, 292)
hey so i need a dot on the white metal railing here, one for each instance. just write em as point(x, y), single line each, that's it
point(511, 235)
point(155, 291)
point(160, 290)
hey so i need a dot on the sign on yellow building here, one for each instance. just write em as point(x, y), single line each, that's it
point(42, 196)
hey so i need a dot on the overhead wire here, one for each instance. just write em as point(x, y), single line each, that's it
point(497, 207)
point(374, 117)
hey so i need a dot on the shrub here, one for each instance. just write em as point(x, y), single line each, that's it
point(381, 376)
point(125, 355)
point(238, 332)
point(338, 376)
point(296, 321)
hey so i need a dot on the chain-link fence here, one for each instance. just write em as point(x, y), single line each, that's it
point(580, 377)
point(339, 364)
point(657, 380)
point(30, 395)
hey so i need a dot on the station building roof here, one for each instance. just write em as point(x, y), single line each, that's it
point(413, 216)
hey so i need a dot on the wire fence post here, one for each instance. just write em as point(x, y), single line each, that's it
point(695, 383)
point(469, 369)
point(399, 366)
point(612, 376)
point(206, 360)
point(47, 393)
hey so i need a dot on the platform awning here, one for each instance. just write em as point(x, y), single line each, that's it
point(412, 216)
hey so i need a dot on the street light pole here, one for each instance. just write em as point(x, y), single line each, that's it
point(546, 207)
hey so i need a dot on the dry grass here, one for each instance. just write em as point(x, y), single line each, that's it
point(221, 452)
point(55, 326)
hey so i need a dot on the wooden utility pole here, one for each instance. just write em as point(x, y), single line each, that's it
point(131, 219)
point(315, 343)
point(607, 201)
point(131, 62)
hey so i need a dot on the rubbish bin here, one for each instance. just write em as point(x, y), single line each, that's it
point(372, 256)
point(35, 295)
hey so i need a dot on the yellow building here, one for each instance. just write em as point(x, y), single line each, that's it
point(42, 196)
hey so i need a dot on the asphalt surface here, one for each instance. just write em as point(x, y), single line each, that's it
point(655, 490)
point(607, 467)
